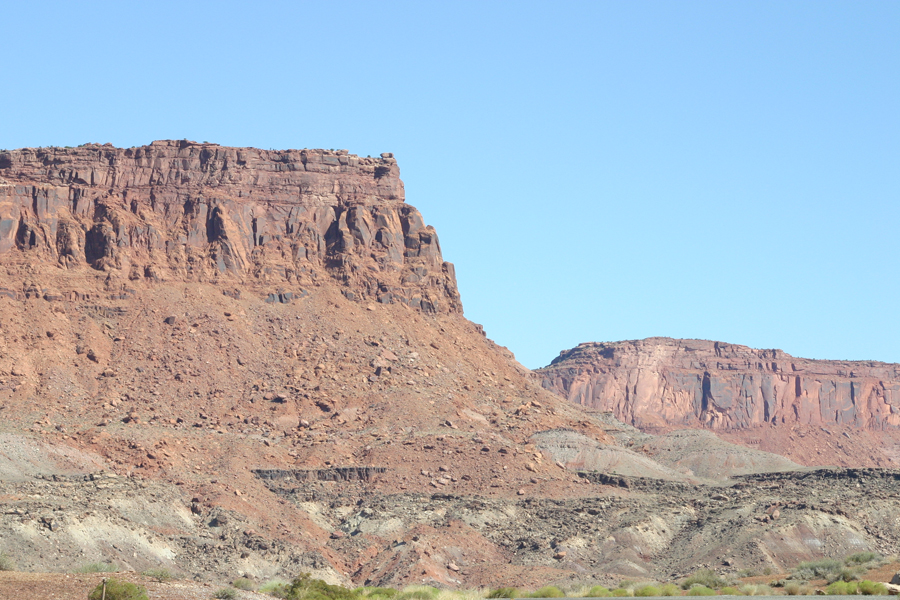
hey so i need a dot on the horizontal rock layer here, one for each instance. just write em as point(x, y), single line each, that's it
point(202, 212)
point(661, 383)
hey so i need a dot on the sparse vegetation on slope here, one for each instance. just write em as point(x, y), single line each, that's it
point(116, 589)
point(704, 577)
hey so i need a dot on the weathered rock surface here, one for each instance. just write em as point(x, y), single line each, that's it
point(234, 362)
point(202, 212)
point(662, 383)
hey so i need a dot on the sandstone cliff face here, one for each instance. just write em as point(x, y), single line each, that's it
point(179, 210)
point(661, 383)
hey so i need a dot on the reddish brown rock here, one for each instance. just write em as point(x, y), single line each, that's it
point(662, 383)
point(179, 210)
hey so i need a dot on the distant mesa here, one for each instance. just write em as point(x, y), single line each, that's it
point(664, 383)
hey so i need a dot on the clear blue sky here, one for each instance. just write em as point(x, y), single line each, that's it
point(596, 170)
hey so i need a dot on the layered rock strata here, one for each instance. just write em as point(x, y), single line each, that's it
point(662, 383)
point(179, 210)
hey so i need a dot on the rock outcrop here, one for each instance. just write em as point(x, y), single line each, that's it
point(179, 210)
point(661, 383)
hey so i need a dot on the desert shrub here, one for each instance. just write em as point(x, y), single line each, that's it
point(705, 577)
point(242, 583)
point(730, 591)
point(471, 594)
point(97, 567)
point(119, 590)
point(827, 568)
point(838, 588)
point(372, 592)
point(376, 593)
point(548, 591)
point(747, 573)
point(647, 591)
point(701, 590)
point(160, 575)
point(670, 589)
point(870, 588)
point(304, 587)
point(504, 592)
point(225, 594)
point(598, 591)
point(861, 558)
point(841, 588)
point(846, 574)
point(794, 588)
point(276, 587)
point(620, 593)
point(418, 592)
point(6, 562)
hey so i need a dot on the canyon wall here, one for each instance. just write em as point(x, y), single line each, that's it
point(662, 383)
point(180, 210)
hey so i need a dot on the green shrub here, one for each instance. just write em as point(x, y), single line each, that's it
point(597, 591)
point(225, 594)
point(97, 567)
point(418, 592)
point(647, 591)
point(838, 588)
point(242, 583)
point(160, 575)
point(276, 587)
point(119, 590)
point(701, 590)
point(548, 591)
point(861, 558)
point(870, 588)
point(705, 577)
point(304, 587)
point(505, 592)
point(841, 588)
point(382, 593)
point(620, 593)
point(670, 589)
point(846, 574)
point(6, 562)
point(827, 568)
point(730, 591)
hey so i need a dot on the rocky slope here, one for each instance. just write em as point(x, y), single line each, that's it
point(230, 361)
point(186, 317)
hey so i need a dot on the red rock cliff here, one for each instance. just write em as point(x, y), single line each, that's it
point(665, 383)
point(203, 212)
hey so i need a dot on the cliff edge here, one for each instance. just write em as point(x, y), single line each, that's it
point(663, 383)
point(184, 211)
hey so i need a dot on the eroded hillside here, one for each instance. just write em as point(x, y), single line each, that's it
point(229, 361)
